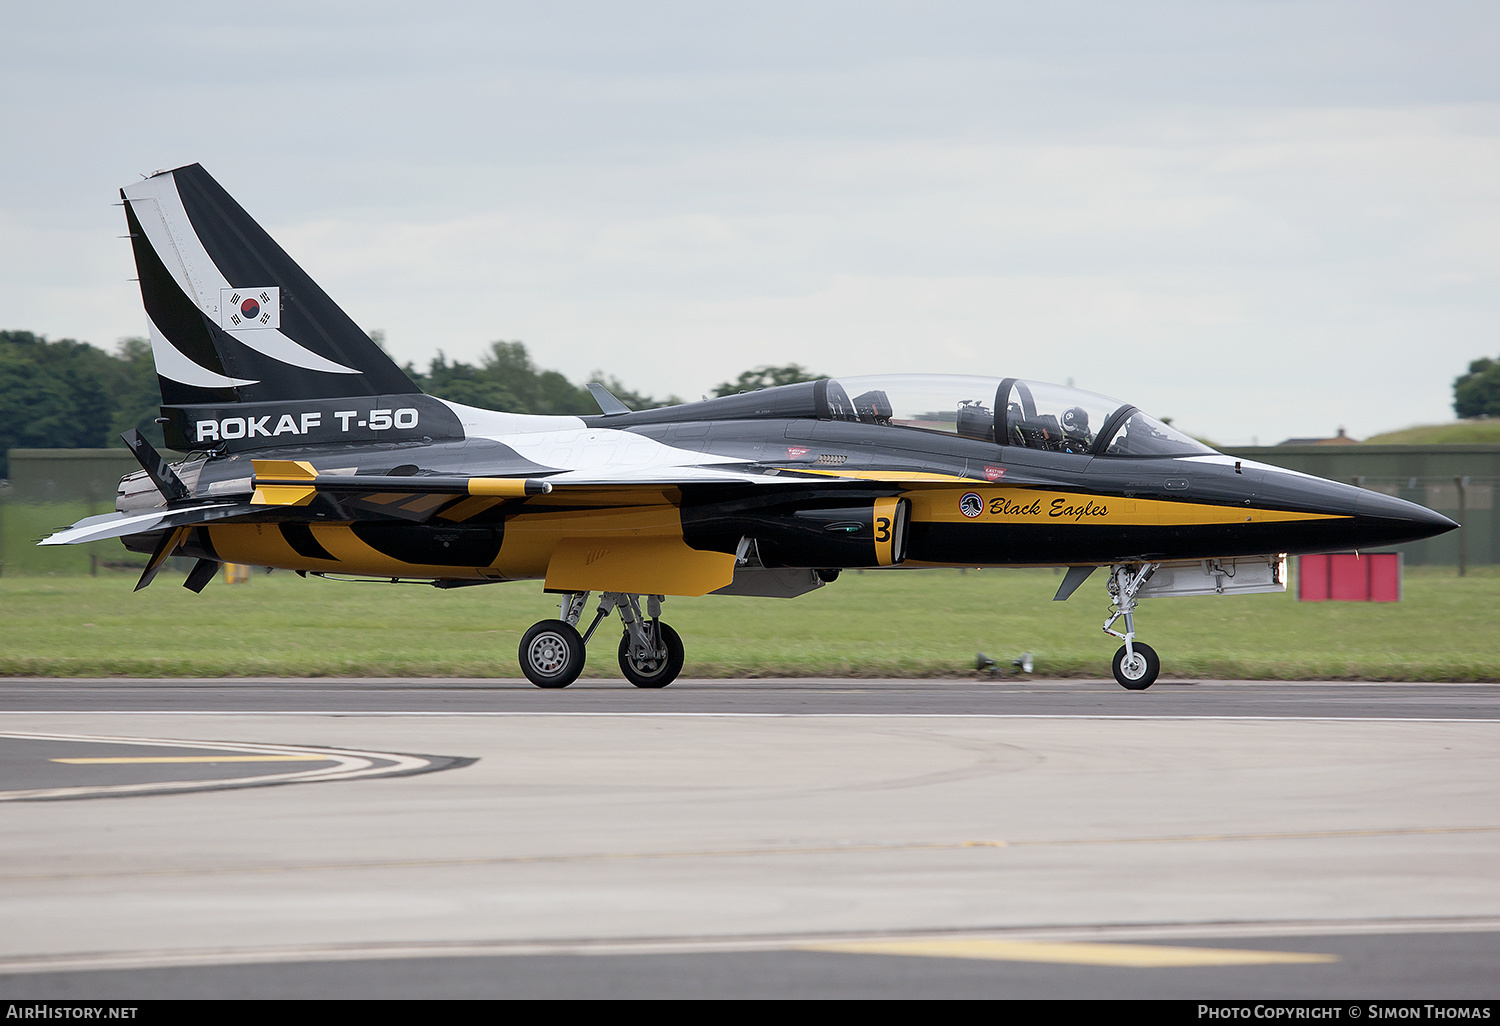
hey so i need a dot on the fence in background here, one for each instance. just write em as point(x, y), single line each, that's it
point(52, 488)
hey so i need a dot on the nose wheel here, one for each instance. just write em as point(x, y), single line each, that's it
point(1136, 664)
point(1136, 670)
point(552, 652)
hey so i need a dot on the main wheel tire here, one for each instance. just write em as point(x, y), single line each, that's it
point(655, 673)
point(552, 654)
point(1139, 673)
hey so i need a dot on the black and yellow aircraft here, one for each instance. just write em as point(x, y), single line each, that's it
point(310, 450)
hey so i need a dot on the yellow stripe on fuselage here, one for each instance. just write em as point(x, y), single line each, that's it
point(1040, 506)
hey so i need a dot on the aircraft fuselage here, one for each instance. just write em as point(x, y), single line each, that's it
point(813, 492)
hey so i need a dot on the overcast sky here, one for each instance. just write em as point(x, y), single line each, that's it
point(1261, 219)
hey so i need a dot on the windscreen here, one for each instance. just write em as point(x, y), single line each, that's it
point(1141, 435)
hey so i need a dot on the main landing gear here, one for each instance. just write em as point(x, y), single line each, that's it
point(1136, 664)
point(651, 653)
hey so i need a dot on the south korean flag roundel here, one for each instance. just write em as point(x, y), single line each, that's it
point(247, 309)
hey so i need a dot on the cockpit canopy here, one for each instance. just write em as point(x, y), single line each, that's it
point(1027, 414)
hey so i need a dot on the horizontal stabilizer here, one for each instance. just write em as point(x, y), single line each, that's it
point(119, 525)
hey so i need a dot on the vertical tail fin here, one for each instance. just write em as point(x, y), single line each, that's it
point(241, 334)
point(232, 316)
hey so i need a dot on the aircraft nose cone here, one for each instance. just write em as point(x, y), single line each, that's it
point(1406, 519)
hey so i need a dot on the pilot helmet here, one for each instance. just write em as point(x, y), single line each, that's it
point(1076, 421)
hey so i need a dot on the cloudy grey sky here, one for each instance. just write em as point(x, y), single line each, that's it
point(1262, 219)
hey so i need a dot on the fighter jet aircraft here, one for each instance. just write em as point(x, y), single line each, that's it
point(310, 450)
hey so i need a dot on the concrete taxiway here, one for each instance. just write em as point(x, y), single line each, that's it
point(891, 838)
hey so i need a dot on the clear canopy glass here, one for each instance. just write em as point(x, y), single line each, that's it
point(1141, 435)
point(1028, 414)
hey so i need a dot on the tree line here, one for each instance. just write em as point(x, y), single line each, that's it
point(66, 394)
point(1477, 393)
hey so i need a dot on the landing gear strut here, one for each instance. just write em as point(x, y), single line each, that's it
point(1136, 664)
point(651, 653)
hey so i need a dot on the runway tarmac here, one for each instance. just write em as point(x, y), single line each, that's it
point(831, 838)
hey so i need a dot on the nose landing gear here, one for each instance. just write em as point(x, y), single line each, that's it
point(1136, 665)
point(651, 654)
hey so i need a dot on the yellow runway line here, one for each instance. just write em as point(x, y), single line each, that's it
point(1133, 956)
point(145, 759)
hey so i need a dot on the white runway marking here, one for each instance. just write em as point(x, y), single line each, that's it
point(347, 765)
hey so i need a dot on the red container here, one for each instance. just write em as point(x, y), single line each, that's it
point(1346, 577)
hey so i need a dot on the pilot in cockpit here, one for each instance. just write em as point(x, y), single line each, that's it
point(1076, 434)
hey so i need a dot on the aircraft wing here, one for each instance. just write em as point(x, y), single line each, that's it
point(753, 474)
point(285, 483)
point(280, 483)
point(414, 497)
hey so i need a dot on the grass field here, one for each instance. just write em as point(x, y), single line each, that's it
point(23, 524)
point(1458, 432)
point(890, 623)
